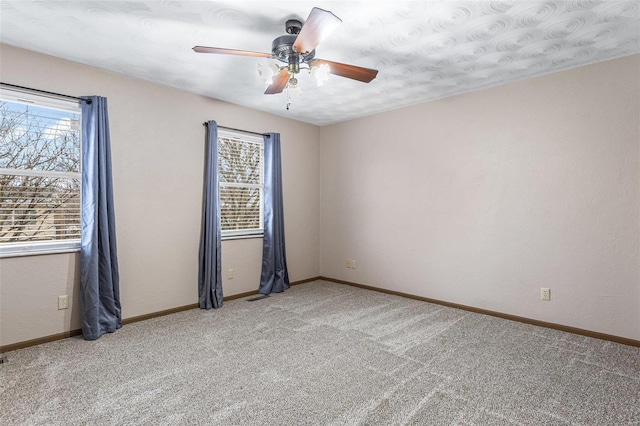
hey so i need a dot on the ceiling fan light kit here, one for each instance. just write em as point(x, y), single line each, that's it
point(297, 51)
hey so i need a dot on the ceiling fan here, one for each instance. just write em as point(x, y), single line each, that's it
point(297, 51)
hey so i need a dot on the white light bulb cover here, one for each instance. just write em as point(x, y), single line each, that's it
point(320, 73)
point(267, 72)
point(295, 91)
point(275, 69)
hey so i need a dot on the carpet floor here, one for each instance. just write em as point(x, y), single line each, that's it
point(324, 354)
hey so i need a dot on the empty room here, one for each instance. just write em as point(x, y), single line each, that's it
point(323, 213)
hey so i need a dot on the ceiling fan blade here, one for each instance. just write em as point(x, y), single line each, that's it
point(319, 25)
point(205, 49)
point(349, 71)
point(279, 82)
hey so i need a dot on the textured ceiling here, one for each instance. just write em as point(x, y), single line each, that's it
point(424, 50)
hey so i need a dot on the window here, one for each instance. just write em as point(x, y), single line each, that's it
point(40, 174)
point(241, 171)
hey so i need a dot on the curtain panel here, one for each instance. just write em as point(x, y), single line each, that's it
point(210, 259)
point(99, 276)
point(275, 276)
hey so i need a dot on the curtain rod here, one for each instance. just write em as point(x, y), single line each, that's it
point(60, 95)
point(206, 123)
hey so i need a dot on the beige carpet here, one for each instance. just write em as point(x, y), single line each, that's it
point(323, 353)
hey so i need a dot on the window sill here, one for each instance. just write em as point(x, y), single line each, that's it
point(39, 249)
point(241, 237)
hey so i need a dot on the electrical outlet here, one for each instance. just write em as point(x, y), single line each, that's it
point(353, 264)
point(230, 274)
point(63, 302)
point(545, 293)
point(348, 263)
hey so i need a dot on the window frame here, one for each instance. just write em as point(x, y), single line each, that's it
point(235, 234)
point(52, 246)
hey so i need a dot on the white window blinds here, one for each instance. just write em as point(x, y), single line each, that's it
point(241, 172)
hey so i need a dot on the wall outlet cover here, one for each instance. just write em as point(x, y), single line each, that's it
point(545, 293)
point(63, 302)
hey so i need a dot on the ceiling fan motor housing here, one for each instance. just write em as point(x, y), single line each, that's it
point(283, 50)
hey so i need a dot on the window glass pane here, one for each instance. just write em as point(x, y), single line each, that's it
point(240, 208)
point(240, 161)
point(241, 171)
point(38, 138)
point(38, 208)
point(40, 173)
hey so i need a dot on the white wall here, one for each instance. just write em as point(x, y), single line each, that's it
point(157, 142)
point(483, 198)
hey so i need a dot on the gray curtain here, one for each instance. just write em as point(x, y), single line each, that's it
point(274, 277)
point(99, 278)
point(210, 272)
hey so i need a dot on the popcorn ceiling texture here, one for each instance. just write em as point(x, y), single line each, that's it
point(424, 50)
point(324, 353)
